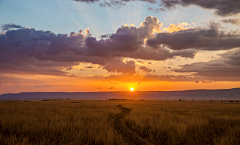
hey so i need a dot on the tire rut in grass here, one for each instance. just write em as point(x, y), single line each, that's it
point(128, 135)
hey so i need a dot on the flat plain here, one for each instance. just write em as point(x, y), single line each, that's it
point(119, 122)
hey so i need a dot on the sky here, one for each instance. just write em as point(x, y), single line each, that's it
point(113, 45)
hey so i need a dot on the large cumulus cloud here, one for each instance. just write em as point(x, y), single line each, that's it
point(211, 38)
point(226, 68)
point(28, 50)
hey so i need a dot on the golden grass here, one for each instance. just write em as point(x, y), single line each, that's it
point(186, 122)
point(90, 122)
point(60, 122)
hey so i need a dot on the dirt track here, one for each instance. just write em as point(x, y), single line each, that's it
point(128, 135)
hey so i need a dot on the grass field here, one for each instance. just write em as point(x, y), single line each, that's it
point(131, 122)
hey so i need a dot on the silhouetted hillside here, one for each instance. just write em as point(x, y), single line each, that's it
point(148, 95)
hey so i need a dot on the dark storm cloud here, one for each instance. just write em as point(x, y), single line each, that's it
point(199, 38)
point(221, 7)
point(226, 68)
point(7, 27)
point(232, 21)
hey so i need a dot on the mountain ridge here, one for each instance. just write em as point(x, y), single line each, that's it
point(215, 94)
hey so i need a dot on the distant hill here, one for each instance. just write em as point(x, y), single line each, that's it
point(224, 94)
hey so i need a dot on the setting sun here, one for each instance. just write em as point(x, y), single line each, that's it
point(131, 89)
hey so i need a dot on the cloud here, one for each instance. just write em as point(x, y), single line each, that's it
point(88, 67)
point(232, 21)
point(179, 27)
point(111, 3)
point(40, 86)
point(129, 41)
point(111, 87)
point(70, 68)
point(147, 78)
point(210, 38)
point(87, 1)
point(156, 10)
point(170, 78)
point(206, 81)
point(117, 65)
point(30, 51)
point(7, 27)
point(221, 7)
point(5, 79)
point(226, 68)
point(145, 69)
point(41, 52)
point(106, 36)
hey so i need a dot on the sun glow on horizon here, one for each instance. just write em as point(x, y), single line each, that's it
point(131, 89)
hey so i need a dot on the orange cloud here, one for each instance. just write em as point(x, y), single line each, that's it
point(179, 27)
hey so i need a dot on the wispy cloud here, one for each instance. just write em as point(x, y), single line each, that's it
point(234, 21)
point(7, 27)
point(220, 7)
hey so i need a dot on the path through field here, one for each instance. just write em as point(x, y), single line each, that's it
point(129, 136)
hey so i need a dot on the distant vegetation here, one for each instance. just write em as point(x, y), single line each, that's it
point(100, 122)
